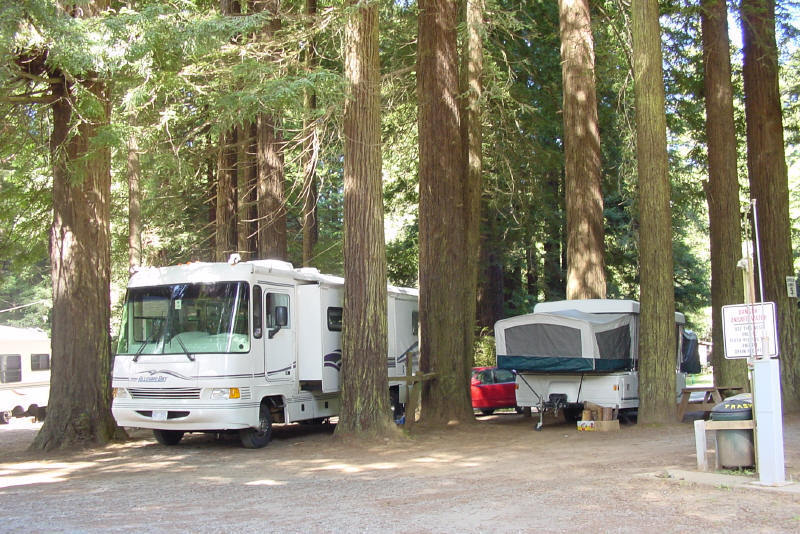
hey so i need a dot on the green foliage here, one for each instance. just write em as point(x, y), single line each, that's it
point(484, 352)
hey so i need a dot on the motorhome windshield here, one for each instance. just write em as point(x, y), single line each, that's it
point(186, 319)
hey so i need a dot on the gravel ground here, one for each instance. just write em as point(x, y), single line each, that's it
point(496, 475)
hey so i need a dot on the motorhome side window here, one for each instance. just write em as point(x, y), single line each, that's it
point(415, 323)
point(186, 319)
point(258, 313)
point(10, 368)
point(334, 319)
point(40, 362)
point(272, 302)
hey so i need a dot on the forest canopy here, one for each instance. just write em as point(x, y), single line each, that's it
point(182, 73)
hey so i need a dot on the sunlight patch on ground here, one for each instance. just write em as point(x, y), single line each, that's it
point(38, 472)
point(265, 483)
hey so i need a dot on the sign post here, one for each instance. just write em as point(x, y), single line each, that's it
point(750, 331)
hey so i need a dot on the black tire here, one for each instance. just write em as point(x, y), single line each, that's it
point(487, 411)
point(255, 438)
point(168, 437)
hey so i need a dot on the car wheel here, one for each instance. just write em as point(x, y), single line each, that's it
point(255, 438)
point(487, 411)
point(168, 437)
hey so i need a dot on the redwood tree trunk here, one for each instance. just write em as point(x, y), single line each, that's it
point(79, 409)
point(226, 241)
point(722, 191)
point(657, 358)
point(134, 205)
point(769, 182)
point(310, 153)
point(584, 196)
point(442, 241)
point(365, 382)
point(271, 192)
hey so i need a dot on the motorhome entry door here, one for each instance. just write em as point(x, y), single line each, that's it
point(279, 359)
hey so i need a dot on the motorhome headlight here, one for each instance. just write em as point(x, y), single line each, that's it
point(225, 393)
point(121, 393)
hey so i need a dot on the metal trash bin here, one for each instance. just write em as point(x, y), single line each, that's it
point(735, 448)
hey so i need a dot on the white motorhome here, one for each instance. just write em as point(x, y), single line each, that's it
point(212, 347)
point(24, 372)
point(570, 352)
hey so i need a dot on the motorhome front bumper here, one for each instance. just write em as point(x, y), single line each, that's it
point(185, 416)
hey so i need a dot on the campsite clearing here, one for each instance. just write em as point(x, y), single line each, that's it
point(495, 475)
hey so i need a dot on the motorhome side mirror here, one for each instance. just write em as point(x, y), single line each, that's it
point(281, 315)
point(281, 320)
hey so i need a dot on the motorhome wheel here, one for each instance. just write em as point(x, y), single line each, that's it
point(168, 437)
point(255, 438)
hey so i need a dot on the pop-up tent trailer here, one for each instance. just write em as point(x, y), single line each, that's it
point(567, 353)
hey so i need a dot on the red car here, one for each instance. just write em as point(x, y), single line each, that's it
point(492, 388)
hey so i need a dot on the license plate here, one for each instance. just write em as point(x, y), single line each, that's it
point(159, 415)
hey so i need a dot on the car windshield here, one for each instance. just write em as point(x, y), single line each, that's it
point(186, 319)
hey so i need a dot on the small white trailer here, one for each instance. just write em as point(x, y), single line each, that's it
point(24, 373)
point(214, 347)
point(570, 352)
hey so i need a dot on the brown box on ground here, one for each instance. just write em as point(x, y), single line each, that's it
point(606, 426)
point(586, 415)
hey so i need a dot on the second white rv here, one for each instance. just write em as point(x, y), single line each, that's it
point(24, 373)
point(212, 347)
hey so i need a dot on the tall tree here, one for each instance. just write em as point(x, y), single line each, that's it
point(79, 410)
point(657, 333)
point(769, 185)
point(365, 384)
point(226, 227)
point(134, 204)
point(584, 197)
point(226, 241)
point(310, 149)
point(472, 141)
point(271, 190)
point(442, 220)
point(722, 190)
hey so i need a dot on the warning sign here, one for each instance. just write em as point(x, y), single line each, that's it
point(750, 330)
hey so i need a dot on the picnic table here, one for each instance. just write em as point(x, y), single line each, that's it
point(712, 395)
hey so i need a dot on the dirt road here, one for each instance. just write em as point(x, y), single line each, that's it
point(496, 475)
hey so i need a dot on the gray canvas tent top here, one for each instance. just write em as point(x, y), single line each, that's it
point(571, 336)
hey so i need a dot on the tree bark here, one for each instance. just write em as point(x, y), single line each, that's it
point(657, 358)
point(272, 241)
point(472, 140)
point(584, 196)
point(226, 241)
point(310, 152)
point(365, 383)
point(769, 182)
point(271, 195)
point(722, 191)
point(79, 409)
point(442, 221)
point(134, 205)
point(246, 191)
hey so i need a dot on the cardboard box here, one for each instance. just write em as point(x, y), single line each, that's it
point(586, 426)
point(606, 426)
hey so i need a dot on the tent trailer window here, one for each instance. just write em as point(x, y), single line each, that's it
point(615, 344)
point(40, 362)
point(334, 319)
point(543, 340)
point(10, 368)
point(414, 323)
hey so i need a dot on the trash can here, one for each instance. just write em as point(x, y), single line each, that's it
point(735, 447)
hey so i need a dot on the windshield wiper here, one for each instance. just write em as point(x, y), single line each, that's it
point(152, 339)
point(177, 337)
